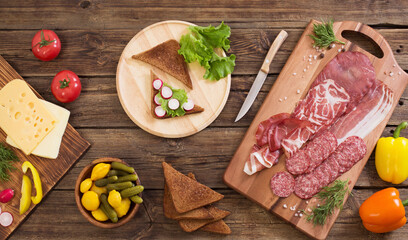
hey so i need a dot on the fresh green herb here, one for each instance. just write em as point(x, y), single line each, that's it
point(178, 94)
point(7, 157)
point(199, 45)
point(324, 34)
point(331, 197)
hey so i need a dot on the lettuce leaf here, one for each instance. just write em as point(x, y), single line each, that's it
point(220, 67)
point(199, 45)
point(178, 94)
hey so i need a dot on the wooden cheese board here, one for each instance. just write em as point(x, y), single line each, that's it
point(50, 170)
point(134, 85)
point(256, 187)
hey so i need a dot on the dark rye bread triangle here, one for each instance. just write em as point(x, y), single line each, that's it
point(190, 225)
point(170, 210)
point(153, 76)
point(217, 227)
point(186, 193)
point(165, 57)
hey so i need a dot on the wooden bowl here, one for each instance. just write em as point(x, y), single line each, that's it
point(86, 173)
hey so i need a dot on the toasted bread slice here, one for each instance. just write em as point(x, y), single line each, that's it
point(170, 210)
point(153, 76)
point(217, 227)
point(190, 225)
point(165, 57)
point(187, 194)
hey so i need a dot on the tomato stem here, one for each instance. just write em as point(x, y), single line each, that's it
point(44, 42)
point(64, 83)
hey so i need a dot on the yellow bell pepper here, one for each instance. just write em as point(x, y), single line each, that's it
point(25, 200)
point(37, 181)
point(391, 157)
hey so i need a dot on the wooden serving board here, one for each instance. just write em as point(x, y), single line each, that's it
point(256, 187)
point(50, 170)
point(134, 85)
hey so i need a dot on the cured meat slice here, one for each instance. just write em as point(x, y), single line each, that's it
point(260, 158)
point(282, 184)
point(312, 155)
point(265, 126)
point(286, 127)
point(349, 153)
point(365, 117)
point(343, 159)
point(307, 185)
point(348, 73)
point(352, 71)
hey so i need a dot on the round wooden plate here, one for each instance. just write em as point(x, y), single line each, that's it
point(134, 86)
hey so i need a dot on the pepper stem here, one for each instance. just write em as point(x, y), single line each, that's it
point(397, 131)
point(405, 203)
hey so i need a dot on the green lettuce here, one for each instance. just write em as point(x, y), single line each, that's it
point(199, 45)
point(178, 94)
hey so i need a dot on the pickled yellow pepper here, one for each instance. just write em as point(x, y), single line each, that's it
point(37, 181)
point(391, 157)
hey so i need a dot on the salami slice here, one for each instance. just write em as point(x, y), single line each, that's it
point(306, 186)
point(298, 163)
point(282, 184)
point(349, 152)
point(323, 173)
point(320, 149)
point(334, 168)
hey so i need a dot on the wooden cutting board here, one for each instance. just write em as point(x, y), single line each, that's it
point(134, 85)
point(256, 187)
point(50, 170)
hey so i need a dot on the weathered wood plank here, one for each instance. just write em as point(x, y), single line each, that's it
point(207, 154)
point(96, 53)
point(99, 106)
point(97, 14)
point(55, 218)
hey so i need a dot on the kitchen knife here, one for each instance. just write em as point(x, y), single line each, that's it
point(262, 74)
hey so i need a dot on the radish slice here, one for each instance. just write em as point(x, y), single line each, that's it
point(6, 219)
point(174, 104)
point(166, 92)
point(157, 84)
point(159, 111)
point(156, 100)
point(0, 210)
point(189, 105)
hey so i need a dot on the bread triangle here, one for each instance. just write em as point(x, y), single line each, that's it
point(186, 193)
point(153, 76)
point(190, 225)
point(165, 57)
point(217, 227)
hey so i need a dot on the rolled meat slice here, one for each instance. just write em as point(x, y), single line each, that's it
point(282, 184)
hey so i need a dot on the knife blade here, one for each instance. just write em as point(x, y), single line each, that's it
point(262, 74)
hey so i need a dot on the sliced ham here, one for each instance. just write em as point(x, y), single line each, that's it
point(265, 126)
point(338, 88)
point(260, 158)
point(283, 129)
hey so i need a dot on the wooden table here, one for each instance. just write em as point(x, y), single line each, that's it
point(93, 34)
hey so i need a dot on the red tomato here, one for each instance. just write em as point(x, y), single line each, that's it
point(66, 86)
point(46, 45)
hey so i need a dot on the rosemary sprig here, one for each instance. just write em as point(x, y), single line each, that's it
point(7, 158)
point(324, 34)
point(331, 197)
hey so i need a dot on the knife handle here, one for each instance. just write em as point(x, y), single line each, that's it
point(273, 49)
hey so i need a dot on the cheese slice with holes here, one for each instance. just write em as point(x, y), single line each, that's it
point(49, 147)
point(23, 116)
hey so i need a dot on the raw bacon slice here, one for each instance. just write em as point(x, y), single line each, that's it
point(365, 117)
point(260, 158)
point(312, 155)
point(268, 125)
point(343, 159)
point(282, 184)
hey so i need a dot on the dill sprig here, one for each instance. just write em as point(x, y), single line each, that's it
point(331, 197)
point(7, 158)
point(324, 34)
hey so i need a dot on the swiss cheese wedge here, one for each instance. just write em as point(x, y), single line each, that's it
point(23, 116)
point(50, 145)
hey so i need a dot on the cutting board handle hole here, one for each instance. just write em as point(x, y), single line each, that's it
point(364, 42)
